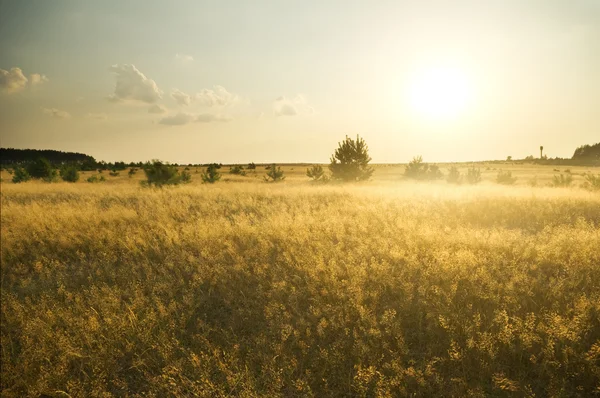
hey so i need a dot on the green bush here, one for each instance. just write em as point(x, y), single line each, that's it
point(20, 175)
point(562, 181)
point(419, 170)
point(159, 174)
point(237, 170)
point(592, 182)
point(350, 161)
point(316, 173)
point(132, 172)
point(69, 174)
point(251, 166)
point(454, 176)
point(473, 175)
point(114, 173)
point(211, 175)
point(505, 178)
point(274, 174)
point(41, 168)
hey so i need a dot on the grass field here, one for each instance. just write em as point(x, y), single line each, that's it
point(384, 288)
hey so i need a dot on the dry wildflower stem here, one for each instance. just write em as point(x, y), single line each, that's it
point(281, 290)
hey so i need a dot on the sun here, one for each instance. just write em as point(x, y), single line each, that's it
point(440, 92)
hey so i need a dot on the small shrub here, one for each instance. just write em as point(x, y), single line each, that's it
point(251, 166)
point(69, 174)
point(41, 168)
point(159, 174)
point(316, 173)
point(505, 178)
point(592, 182)
point(114, 173)
point(237, 170)
point(186, 177)
point(211, 175)
point(94, 179)
point(533, 182)
point(561, 181)
point(473, 175)
point(20, 175)
point(454, 176)
point(350, 161)
point(419, 170)
point(274, 174)
point(132, 172)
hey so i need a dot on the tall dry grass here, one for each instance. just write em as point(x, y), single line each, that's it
point(282, 290)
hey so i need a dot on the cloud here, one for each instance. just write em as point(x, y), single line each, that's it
point(177, 120)
point(133, 85)
point(36, 78)
point(283, 106)
point(180, 97)
point(157, 109)
point(12, 81)
point(218, 96)
point(57, 113)
point(209, 117)
point(99, 116)
point(184, 58)
point(183, 118)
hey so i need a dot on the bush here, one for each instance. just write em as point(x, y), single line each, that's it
point(454, 176)
point(350, 162)
point(186, 177)
point(132, 172)
point(505, 178)
point(274, 174)
point(159, 174)
point(561, 181)
point(592, 182)
point(473, 175)
point(418, 170)
point(114, 173)
point(237, 170)
point(316, 173)
point(41, 168)
point(20, 175)
point(69, 174)
point(211, 175)
point(251, 166)
point(94, 179)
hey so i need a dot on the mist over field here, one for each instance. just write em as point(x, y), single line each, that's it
point(299, 198)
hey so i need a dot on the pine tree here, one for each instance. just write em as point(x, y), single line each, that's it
point(350, 162)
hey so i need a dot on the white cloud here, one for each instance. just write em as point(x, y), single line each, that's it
point(36, 78)
point(209, 117)
point(177, 120)
point(180, 97)
point(183, 118)
point(157, 109)
point(184, 58)
point(133, 85)
point(13, 80)
point(99, 116)
point(57, 113)
point(283, 106)
point(218, 96)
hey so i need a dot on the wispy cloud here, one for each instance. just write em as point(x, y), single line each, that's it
point(56, 113)
point(156, 108)
point(284, 106)
point(133, 85)
point(183, 118)
point(180, 97)
point(217, 96)
point(99, 116)
point(184, 58)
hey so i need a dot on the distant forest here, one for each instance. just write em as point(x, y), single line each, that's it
point(585, 155)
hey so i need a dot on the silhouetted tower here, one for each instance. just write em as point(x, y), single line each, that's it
point(541, 151)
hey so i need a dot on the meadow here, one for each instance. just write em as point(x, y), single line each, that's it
point(243, 288)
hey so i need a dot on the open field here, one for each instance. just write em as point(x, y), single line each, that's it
point(385, 288)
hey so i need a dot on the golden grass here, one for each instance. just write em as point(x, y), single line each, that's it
point(376, 289)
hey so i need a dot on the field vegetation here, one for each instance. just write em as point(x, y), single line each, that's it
point(391, 287)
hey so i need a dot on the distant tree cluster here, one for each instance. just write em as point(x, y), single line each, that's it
point(587, 153)
point(19, 156)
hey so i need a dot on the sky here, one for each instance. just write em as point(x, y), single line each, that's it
point(285, 81)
